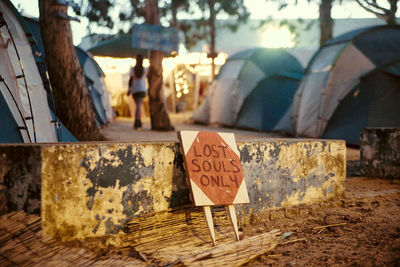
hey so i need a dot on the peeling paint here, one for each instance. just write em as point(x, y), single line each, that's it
point(293, 172)
point(106, 185)
point(68, 182)
point(296, 158)
point(91, 190)
point(148, 154)
point(258, 182)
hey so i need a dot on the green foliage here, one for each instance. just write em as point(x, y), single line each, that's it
point(98, 12)
point(197, 30)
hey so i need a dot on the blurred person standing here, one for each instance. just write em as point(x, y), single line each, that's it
point(138, 89)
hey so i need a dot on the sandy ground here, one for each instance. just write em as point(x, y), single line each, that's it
point(122, 130)
point(364, 231)
point(365, 227)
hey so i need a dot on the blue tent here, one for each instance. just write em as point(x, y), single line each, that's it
point(253, 89)
point(9, 131)
point(93, 73)
point(351, 83)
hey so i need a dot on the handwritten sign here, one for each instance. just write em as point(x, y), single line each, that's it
point(155, 37)
point(214, 169)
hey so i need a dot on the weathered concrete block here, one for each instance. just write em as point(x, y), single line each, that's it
point(20, 178)
point(380, 152)
point(93, 189)
point(281, 173)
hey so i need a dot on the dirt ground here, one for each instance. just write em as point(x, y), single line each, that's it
point(122, 130)
point(365, 230)
point(365, 226)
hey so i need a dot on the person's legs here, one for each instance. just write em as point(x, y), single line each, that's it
point(138, 112)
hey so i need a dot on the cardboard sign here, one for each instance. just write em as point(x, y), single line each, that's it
point(213, 165)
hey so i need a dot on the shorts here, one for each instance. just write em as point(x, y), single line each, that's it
point(139, 95)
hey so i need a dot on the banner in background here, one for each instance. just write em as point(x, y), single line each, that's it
point(155, 37)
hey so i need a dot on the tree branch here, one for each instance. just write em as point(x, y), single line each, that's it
point(375, 5)
point(379, 15)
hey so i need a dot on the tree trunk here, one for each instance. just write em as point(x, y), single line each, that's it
point(325, 21)
point(211, 22)
point(158, 114)
point(71, 96)
point(391, 16)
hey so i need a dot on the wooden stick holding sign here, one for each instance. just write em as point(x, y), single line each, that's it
point(215, 173)
point(232, 215)
point(210, 223)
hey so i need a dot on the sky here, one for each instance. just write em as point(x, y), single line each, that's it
point(259, 9)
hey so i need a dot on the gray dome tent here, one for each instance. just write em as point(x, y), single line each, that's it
point(253, 89)
point(373, 102)
point(351, 83)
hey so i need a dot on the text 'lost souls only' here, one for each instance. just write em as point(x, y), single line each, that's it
point(214, 167)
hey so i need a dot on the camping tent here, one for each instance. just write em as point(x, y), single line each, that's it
point(331, 101)
point(373, 102)
point(31, 30)
point(24, 107)
point(21, 58)
point(94, 78)
point(253, 89)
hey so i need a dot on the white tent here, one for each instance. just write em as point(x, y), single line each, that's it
point(21, 85)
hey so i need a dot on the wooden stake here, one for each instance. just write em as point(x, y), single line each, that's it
point(232, 215)
point(209, 220)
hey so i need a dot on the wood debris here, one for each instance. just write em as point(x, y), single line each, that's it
point(180, 237)
point(22, 243)
point(329, 225)
point(177, 238)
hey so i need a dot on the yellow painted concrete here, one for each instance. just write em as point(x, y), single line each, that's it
point(65, 214)
point(65, 183)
